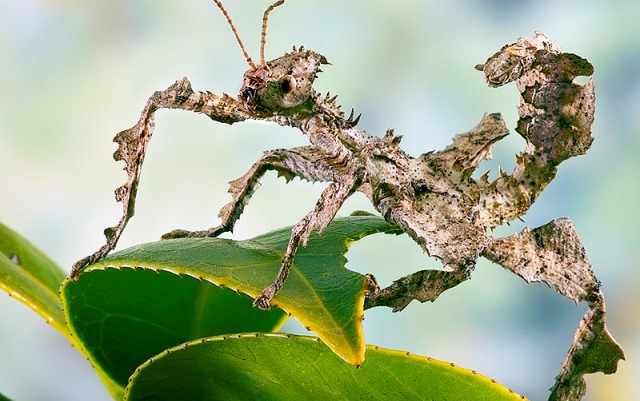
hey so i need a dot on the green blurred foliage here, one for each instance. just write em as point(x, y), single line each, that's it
point(75, 73)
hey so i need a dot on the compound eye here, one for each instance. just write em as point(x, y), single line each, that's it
point(287, 84)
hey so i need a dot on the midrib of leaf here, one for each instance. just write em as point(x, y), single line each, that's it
point(329, 317)
point(199, 308)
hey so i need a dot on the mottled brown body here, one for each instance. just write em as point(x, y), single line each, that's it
point(433, 197)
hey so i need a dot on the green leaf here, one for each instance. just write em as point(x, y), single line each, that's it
point(284, 367)
point(29, 276)
point(320, 292)
point(123, 317)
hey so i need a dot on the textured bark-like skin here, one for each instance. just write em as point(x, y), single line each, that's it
point(433, 197)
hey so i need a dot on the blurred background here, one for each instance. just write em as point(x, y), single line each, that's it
point(74, 73)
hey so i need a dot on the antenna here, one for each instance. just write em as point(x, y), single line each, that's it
point(263, 38)
point(235, 32)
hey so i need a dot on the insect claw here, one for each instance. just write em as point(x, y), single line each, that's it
point(263, 300)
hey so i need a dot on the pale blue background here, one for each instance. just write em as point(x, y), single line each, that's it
point(73, 73)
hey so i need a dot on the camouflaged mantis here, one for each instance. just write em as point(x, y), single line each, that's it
point(433, 198)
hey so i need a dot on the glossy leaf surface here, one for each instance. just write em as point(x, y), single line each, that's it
point(320, 292)
point(29, 276)
point(283, 367)
point(123, 317)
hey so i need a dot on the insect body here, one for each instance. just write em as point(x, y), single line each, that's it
point(433, 198)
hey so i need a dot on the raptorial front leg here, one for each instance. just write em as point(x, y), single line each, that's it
point(328, 205)
point(133, 142)
point(303, 162)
